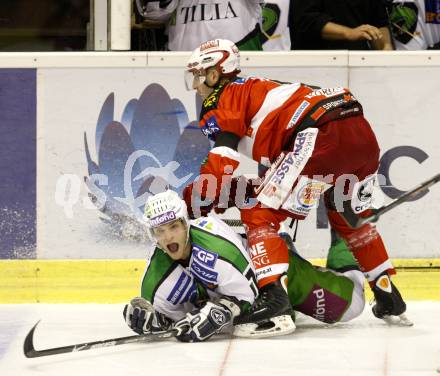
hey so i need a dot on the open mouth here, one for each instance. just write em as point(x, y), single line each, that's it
point(173, 247)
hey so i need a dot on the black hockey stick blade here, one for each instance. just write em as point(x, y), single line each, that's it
point(399, 200)
point(30, 352)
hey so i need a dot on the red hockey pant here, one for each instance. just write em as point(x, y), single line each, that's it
point(344, 146)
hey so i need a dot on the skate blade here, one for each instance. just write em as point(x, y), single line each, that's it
point(400, 320)
point(276, 326)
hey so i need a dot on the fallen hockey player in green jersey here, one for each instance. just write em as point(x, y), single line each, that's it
point(200, 279)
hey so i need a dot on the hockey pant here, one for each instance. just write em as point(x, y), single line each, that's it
point(344, 154)
point(324, 294)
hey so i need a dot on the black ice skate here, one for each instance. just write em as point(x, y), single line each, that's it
point(270, 315)
point(389, 302)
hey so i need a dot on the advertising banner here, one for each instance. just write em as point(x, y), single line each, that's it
point(17, 163)
point(110, 137)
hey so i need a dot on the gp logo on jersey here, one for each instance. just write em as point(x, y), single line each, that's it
point(206, 257)
point(210, 128)
point(205, 275)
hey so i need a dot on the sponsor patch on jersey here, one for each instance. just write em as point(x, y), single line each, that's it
point(163, 218)
point(305, 196)
point(303, 146)
point(297, 114)
point(203, 255)
point(323, 305)
point(176, 294)
point(210, 128)
point(326, 92)
point(317, 113)
point(259, 255)
point(284, 176)
point(202, 273)
point(205, 223)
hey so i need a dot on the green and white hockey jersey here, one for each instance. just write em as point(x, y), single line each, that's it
point(219, 265)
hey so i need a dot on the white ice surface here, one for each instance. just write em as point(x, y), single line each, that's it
point(364, 346)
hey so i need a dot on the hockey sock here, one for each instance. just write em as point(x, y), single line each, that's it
point(269, 254)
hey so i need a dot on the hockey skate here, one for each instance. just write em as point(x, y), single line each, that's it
point(389, 303)
point(270, 315)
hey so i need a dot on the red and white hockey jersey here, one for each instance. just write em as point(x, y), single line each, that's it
point(266, 115)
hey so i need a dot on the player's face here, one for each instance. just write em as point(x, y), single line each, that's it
point(173, 239)
point(210, 77)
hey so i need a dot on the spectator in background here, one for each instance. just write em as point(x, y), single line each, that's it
point(415, 24)
point(343, 24)
point(192, 22)
point(275, 28)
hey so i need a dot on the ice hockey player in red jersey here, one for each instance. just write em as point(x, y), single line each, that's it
point(313, 141)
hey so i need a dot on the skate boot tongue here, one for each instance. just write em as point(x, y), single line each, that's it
point(173, 247)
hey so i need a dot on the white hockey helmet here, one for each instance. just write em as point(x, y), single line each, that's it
point(163, 208)
point(220, 53)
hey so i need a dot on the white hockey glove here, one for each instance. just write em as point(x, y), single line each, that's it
point(141, 317)
point(201, 324)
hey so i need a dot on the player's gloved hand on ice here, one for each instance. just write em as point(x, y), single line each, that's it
point(201, 324)
point(141, 317)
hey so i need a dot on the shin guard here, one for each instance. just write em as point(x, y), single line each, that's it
point(269, 254)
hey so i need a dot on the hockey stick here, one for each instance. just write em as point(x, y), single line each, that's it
point(399, 200)
point(376, 212)
point(30, 352)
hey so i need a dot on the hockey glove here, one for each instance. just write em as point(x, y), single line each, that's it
point(201, 324)
point(141, 317)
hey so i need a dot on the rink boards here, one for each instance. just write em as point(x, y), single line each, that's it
point(125, 102)
point(117, 281)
